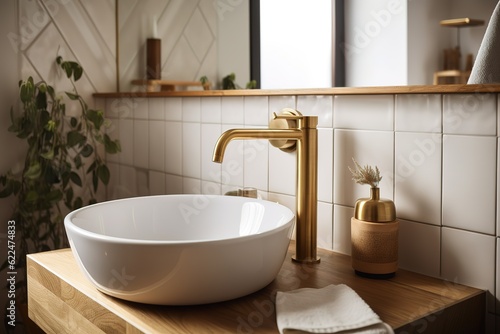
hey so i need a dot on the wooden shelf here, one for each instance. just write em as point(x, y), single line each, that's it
point(451, 77)
point(168, 85)
point(462, 22)
point(62, 300)
point(415, 89)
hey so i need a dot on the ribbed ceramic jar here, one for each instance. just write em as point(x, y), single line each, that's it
point(374, 236)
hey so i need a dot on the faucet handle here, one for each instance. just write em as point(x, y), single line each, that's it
point(292, 115)
point(288, 113)
point(288, 119)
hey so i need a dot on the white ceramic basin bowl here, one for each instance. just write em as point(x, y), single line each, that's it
point(180, 249)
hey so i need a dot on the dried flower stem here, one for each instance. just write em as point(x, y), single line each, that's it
point(365, 175)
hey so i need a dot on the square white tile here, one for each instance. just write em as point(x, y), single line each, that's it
point(232, 109)
point(374, 148)
point(191, 185)
point(469, 187)
point(157, 109)
point(325, 225)
point(114, 181)
point(418, 177)
point(470, 114)
point(419, 247)
point(126, 156)
point(418, 112)
point(191, 150)
point(256, 164)
point(141, 143)
point(156, 183)
point(210, 171)
point(173, 108)
point(191, 109)
point(119, 107)
point(325, 165)
point(128, 183)
point(342, 229)
point(173, 184)
point(367, 112)
point(317, 105)
point(157, 145)
point(173, 148)
point(282, 171)
point(469, 258)
point(211, 110)
point(141, 108)
point(210, 188)
point(113, 131)
point(142, 182)
point(256, 110)
point(233, 163)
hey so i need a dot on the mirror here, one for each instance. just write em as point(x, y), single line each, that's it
point(387, 43)
point(198, 38)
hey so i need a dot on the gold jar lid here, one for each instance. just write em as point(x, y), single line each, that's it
point(375, 209)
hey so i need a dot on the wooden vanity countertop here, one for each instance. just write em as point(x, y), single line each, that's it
point(62, 300)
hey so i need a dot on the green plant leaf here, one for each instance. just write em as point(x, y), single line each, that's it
point(103, 173)
point(50, 175)
point(78, 203)
point(96, 117)
point(7, 190)
point(73, 122)
point(95, 180)
point(77, 71)
point(41, 100)
point(86, 151)
point(74, 137)
point(111, 146)
point(65, 176)
point(31, 196)
point(27, 89)
point(34, 171)
point(78, 161)
point(69, 195)
point(72, 96)
point(49, 155)
point(92, 167)
point(75, 178)
point(54, 196)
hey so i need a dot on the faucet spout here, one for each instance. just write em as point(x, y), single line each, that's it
point(291, 126)
point(226, 137)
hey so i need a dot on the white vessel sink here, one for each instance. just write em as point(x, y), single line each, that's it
point(180, 249)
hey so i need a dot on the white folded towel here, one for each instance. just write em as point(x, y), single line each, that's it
point(332, 309)
point(486, 68)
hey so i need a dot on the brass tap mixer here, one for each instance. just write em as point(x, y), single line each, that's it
point(289, 131)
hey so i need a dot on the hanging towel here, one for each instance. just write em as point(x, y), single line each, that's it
point(332, 309)
point(486, 68)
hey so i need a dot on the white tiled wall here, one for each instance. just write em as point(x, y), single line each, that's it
point(437, 153)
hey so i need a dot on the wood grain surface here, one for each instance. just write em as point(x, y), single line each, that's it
point(62, 300)
point(422, 89)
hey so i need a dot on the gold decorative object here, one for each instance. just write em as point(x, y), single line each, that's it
point(374, 228)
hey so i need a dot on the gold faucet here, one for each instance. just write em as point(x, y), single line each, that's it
point(288, 131)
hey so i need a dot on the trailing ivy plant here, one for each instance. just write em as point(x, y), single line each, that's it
point(63, 167)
